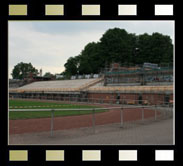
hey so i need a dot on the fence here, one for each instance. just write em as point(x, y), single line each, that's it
point(159, 112)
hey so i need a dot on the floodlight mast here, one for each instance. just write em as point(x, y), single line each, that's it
point(136, 50)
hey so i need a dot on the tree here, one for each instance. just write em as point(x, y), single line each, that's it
point(71, 66)
point(117, 45)
point(48, 74)
point(89, 59)
point(22, 70)
point(155, 48)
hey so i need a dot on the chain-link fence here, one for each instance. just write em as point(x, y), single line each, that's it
point(124, 115)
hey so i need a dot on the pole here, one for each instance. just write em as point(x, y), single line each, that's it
point(142, 114)
point(165, 113)
point(121, 115)
point(155, 118)
point(165, 110)
point(52, 122)
point(93, 120)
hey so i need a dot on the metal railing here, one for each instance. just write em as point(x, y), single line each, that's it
point(166, 113)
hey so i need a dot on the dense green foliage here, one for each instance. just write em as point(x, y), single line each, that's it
point(48, 74)
point(22, 70)
point(117, 45)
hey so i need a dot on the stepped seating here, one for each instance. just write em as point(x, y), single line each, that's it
point(86, 84)
point(92, 83)
point(61, 85)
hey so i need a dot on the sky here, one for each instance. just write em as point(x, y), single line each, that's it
point(48, 44)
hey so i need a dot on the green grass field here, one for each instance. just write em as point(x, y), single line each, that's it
point(44, 114)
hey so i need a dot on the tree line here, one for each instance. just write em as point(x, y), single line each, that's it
point(115, 45)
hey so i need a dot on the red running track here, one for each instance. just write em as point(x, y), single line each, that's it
point(69, 122)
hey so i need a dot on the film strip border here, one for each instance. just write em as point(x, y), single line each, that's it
point(88, 155)
point(89, 9)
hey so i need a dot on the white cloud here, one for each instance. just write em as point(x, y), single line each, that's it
point(44, 50)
